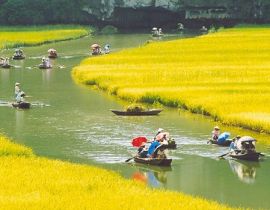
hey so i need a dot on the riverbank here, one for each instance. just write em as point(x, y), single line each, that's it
point(224, 75)
point(31, 182)
point(35, 35)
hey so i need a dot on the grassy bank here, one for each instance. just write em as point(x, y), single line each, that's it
point(30, 182)
point(35, 35)
point(225, 75)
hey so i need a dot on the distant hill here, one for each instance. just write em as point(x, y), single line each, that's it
point(135, 13)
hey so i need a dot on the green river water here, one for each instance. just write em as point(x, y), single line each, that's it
point(71, 122)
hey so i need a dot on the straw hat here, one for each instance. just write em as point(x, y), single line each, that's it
point(160, 130)
point(17, 83)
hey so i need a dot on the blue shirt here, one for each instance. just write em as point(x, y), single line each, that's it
point(152, 147)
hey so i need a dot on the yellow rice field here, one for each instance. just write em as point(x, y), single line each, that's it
point(27, 36)
point(225, 75)
point(30, 182)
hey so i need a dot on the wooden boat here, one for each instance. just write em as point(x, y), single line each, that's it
point(250, 156)
point(139, 113)
point(16, 57)
point(22, 105)
point(153, 161)
point(41, 66)
point(224, 144)
point(7, 66)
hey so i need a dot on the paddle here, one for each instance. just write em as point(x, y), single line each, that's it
point(261, 154)
point(130, 159)
point(221, 156)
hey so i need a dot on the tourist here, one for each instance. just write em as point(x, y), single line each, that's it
point(142, 151)
point(215, 133)
point(107, 49)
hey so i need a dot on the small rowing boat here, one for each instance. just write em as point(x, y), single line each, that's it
point(41, 66)
point(6, 66)
point(21, 105)
point(248, 155)
point(18, 57)
point(153, 161)
point(137, 113)
point(224, 144)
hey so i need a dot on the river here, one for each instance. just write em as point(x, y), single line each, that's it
point(72, 122)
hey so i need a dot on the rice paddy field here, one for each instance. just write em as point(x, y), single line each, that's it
point(224, 75)
point(31, 182)
point(29, 36)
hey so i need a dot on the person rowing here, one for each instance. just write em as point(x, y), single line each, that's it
point(107, 49)
point(143, 150)
point(18, 53)
point(215, 133)
point(17, 89)
point(20, 97)
point(244, 144)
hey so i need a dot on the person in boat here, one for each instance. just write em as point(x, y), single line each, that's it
point(233, 144)
point(142, 150)
point(20, 97)
point(1, 61)
point(180, 26)
point(160, 31)
point(154, 31)
point(161, 139)
point(215, 133)
point(158, 132)
point(17, 89)
point(107, 49)
point(246, 143)
point(52, 52)
point(204, 29)
point(6, 62)
point(45, 62)
point(18, 53)
point(96, 49)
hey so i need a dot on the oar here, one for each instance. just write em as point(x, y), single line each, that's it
point(130, 159)
point(224, 155)
point(261, 154)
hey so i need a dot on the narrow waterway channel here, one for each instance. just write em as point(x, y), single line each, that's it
point(72, 122)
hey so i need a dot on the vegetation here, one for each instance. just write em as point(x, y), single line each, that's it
point(26, 36)
point(21, 12)
point(7, 148)
point(135, 108)
point(225, 75)
point(109, 30)
point(30, 182)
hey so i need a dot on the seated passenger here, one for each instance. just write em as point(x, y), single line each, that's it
point(152, 148)
point(142, 151)
point(20, 97)
point(215, 133)
point(107, 49)
point(233, 146)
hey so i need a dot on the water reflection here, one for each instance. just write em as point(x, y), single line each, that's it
point(153, 176)
point(245, 171)
point(19, 122)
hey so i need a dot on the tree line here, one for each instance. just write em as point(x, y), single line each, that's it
point(29, 12)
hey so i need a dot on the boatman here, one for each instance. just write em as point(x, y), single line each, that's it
point(215, 133)
point(17, 89)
